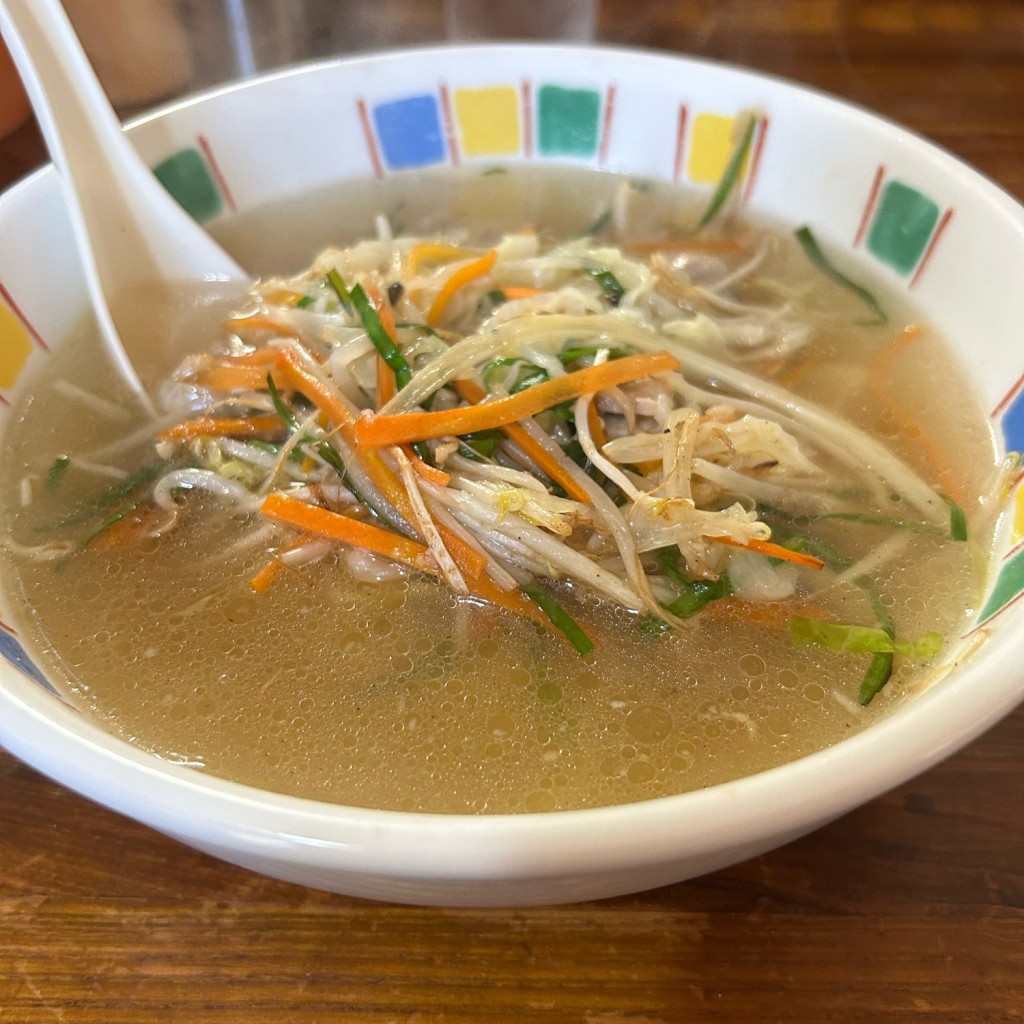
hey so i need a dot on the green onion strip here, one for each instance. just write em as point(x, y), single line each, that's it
point(731, 175)
point(957, 520)
point(382, 342)
point(610, 285)
point(559, 617)
point(812, 250)
point(323, 448)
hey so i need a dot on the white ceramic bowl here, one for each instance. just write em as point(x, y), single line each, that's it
point(914, 213)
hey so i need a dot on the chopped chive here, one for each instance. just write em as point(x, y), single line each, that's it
point(389, 351)
point(697, 594)
point(878, 641)
point(483, 442)
point(283, 410)
point(306, 300)
point(570, 355)
point(877, 675)
point(296, 455)
point(730, 177)
point(330, 455)
point(813, 252)
point(472, 454)
point(534, 375)
point(651, 626)
point(110, 521)
point(57, 471)
point(531, 373)
point(669, 559)
point(829, 555)
point(264, 446)
point(493, 299)
point(559, 617)
point(487, 374)
point(882, 613)
point(107, 499)
point(574, 450)
point(324, 449)
point(957, 519)
point(693, 595)
point(610, 285)
point(335, 281)
point(422, 328)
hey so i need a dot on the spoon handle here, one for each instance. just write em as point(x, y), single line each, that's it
point(131, 232)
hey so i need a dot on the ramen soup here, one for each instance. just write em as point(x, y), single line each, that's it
point(550, 492)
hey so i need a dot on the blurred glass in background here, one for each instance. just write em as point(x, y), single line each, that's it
point(145, 51)
point(149, 51)
point(571, 20)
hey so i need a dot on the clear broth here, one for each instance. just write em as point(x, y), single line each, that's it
point(398, 695)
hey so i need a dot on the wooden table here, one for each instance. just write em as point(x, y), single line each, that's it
point(909, 909)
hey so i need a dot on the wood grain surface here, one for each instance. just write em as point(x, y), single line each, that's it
point(910, 909)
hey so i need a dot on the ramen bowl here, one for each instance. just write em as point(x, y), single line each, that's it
point(912, 214)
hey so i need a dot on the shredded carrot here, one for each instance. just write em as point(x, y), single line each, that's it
point(282, 297)
point(385, 376)
point(324, 523)
point(384, 311)
point(767, 547)
point(470, 562)
point(513, 292)
point(459, 280)
point(425, 470)
point(235, 378)
point(255, 321)
point(540, 457)
point(247, 426)
point(514, 600)
point(337, 413)
point(305, 380)
point(418, 426)
point(714, 245)
point(262, 581)
point(385, 383)
point(434, 252)
point(596, 426)
point(131, 529)
point(260, 357)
